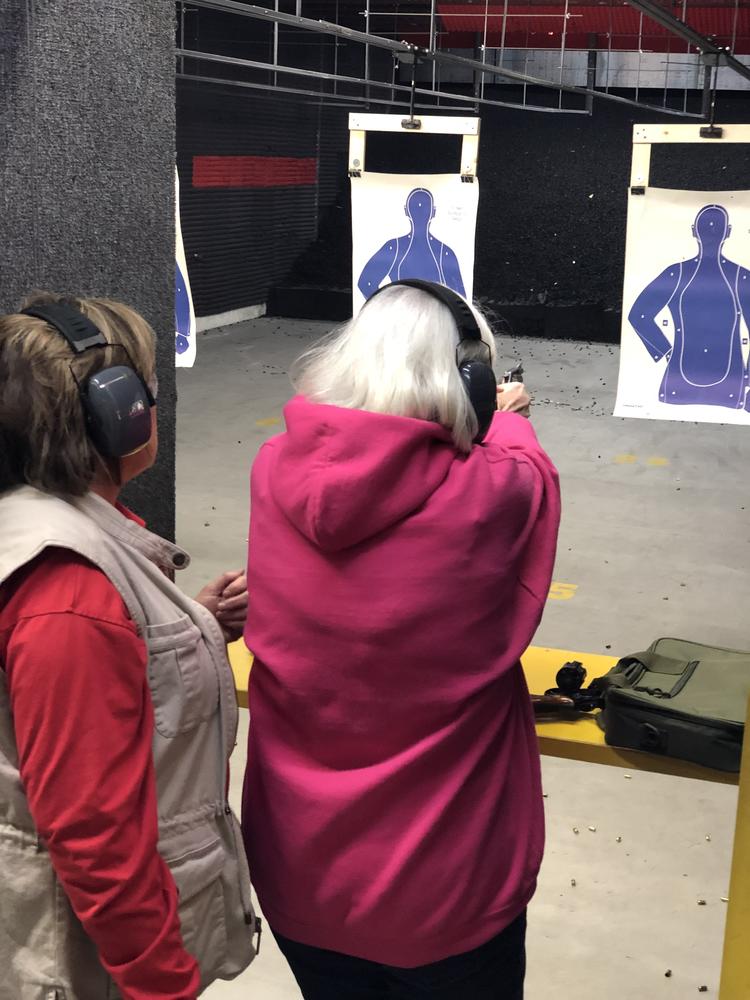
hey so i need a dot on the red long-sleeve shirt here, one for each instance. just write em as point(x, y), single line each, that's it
point(83, 718)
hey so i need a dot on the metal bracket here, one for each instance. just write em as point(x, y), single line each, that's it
point(712, 132)
point(469, 157)
point(407, 58)
point(638, 189)
point(357, 139)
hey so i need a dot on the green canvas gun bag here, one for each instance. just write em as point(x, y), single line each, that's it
point(681, 699)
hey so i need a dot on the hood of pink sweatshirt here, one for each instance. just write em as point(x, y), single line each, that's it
point(342, 476)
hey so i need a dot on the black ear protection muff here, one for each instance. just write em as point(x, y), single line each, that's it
point(116, 400)
point(473, 356)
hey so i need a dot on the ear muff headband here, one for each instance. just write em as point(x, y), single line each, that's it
point(116, 401)
point(76, 328)
point(463, 316)
point(476, 373)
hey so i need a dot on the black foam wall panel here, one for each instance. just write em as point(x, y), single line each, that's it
point(87, 156)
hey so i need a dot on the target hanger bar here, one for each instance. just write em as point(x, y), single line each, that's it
point(329, 99)
point(321, 95)
point(654, 134)
point(327, 27)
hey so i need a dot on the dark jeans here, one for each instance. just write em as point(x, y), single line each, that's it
point(494, 971)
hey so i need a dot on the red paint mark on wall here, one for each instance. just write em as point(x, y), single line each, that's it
point(253, 171)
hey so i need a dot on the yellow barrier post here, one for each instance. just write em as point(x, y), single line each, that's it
point(735, 967)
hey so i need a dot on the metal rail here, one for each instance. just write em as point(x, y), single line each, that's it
point(183, 54)
point(378, 41)
point(423, 92)
point(344, 100)
point(705, 45)
point(450, 57)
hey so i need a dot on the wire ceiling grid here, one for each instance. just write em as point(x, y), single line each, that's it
point(500, 20)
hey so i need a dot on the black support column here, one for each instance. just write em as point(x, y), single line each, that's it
point(87, 174)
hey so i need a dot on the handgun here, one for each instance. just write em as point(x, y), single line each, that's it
point(514, 374)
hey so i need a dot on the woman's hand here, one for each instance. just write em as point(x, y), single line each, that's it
point(226, 599)
point(512, 397)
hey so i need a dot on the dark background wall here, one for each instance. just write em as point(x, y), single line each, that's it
point(87, 174)
point(553, 202)
point(277, 171)
point(253, 207)
point(552, 210)
point(550, 243)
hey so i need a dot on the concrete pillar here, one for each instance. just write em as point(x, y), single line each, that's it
point(87, 152)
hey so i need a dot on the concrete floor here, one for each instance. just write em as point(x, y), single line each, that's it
point(655, 541)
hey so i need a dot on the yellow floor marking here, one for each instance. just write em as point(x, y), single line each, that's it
point(562, 591)
point(629, 459)
point(268, 421)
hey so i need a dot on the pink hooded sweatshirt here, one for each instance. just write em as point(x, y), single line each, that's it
point(392, 805)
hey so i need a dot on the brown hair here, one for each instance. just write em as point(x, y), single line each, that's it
point(43, 437)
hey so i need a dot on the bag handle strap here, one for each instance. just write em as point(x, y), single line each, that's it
point(630, 669)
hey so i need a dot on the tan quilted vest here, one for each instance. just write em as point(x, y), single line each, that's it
point(44, 952)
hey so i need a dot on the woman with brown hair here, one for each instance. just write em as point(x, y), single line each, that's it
point(121, 867)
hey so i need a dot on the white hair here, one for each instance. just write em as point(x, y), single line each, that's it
point(397, 356)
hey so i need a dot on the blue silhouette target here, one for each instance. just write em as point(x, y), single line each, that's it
point(184, 313)
point(416, 254)
point(707, 297)
point(181, 312)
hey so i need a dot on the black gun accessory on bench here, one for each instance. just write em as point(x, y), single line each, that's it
point(570, 680)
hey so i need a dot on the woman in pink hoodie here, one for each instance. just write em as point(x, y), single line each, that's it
point(400, 558)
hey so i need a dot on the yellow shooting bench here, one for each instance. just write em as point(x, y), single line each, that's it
point(582, 739)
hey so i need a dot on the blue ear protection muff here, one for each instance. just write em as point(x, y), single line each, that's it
point(116, 400)
point(473, 356)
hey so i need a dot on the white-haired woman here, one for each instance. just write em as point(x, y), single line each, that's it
point(399, 568)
